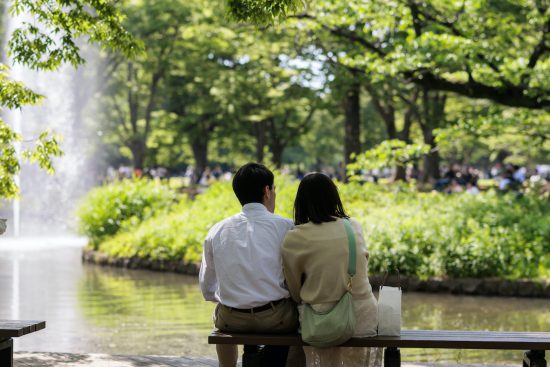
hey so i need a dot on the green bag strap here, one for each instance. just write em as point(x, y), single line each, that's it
point(352, 249)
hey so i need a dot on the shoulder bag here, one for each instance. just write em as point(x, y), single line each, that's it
point(334, 327)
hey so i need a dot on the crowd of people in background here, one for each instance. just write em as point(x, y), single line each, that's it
point(459, 179)
point(455, 178)
point(507, 177)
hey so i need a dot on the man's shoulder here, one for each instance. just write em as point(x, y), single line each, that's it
point(282, 220)
point(221, 224)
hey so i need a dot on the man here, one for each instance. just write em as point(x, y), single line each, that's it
point(242, 267)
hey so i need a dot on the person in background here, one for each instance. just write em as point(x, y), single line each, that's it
point(471, 188)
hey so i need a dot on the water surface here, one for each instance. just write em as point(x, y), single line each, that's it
point(106, 310)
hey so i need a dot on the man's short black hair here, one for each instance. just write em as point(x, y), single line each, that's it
point(249, 182)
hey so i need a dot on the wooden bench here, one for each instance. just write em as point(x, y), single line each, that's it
point(535, 343)
point(13, 329)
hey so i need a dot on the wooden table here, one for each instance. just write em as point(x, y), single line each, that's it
point(535, 343)
point(10, 329)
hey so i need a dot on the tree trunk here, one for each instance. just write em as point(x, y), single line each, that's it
point(138, 149)
point(403, 135)
point(260, 140)
point(277, 151)
point(276, 142)
point(199, 145)
point(433, 117)
point(432, 159)
point(400, 173)
point(431, 167)
point(352, 143)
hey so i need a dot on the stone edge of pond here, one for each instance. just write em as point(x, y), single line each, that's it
point(465, 286)
point(135, 262)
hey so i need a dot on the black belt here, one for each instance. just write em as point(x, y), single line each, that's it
point(267, 306)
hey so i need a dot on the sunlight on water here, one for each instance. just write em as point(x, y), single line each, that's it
point(105, 310)
point(40, 243)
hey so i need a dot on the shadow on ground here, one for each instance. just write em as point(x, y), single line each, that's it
point(103, 360)
point(51, 359)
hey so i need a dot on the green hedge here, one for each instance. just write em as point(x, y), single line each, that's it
point(180, 233)
point(425, 234)
point(107, 209)
point(459, 235)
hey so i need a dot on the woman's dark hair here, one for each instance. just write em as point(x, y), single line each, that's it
point(249, 182)
point(317, 200)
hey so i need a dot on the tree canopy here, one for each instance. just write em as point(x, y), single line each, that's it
point(475, 69)
point(45, 39)
point(482, 49)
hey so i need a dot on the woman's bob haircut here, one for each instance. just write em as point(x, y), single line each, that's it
point(317, 200)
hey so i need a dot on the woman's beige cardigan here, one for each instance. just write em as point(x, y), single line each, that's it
point(315, 261)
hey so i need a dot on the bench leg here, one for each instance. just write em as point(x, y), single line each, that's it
point(534, 358)
point(6, 353)
point(392, 357)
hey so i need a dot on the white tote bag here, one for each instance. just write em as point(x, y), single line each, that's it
point(389, 311)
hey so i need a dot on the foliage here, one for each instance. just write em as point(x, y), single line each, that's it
point(107, 209)
point(276, 92)
point(50, 39)
point(459, 235)
point(482, 131)
point(389, 153)
point(179, 234)
point(231, 87)
point(262, 11)
point(425, 234)
point(439, 46)
point(45, 43)
point(13, 95)
point(133, 86)
point(469, 48)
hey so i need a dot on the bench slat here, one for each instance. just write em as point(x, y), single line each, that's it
point(447, 339)
point(17, 328)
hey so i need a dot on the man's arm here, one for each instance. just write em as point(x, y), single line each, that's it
point(207, 275)
point(292, 270)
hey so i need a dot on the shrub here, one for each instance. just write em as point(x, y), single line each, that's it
point(106, 209)
point(423, 234)
point(179, 234)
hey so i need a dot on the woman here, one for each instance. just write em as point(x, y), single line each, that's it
point(315, 260)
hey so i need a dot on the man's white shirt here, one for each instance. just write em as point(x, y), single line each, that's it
point(241, 263)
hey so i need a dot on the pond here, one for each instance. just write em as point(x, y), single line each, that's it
point(106, 310)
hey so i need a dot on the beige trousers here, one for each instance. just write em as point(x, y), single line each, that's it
point(280, 318)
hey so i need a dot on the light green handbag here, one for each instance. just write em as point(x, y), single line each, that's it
point(334, 327)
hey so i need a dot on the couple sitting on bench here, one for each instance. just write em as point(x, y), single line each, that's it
point(260, 268)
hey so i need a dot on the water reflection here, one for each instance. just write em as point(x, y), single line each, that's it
point(145, 312)
point(105, 310)
point(449, 312)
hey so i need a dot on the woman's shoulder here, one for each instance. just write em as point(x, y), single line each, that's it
point(300, 235)
point(298, 232)
point(355, 224)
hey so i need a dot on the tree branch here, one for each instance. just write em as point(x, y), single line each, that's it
point(417, 25)
point(541, 47)
point(508, 94)
point(343, 33)
point(512, 96)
